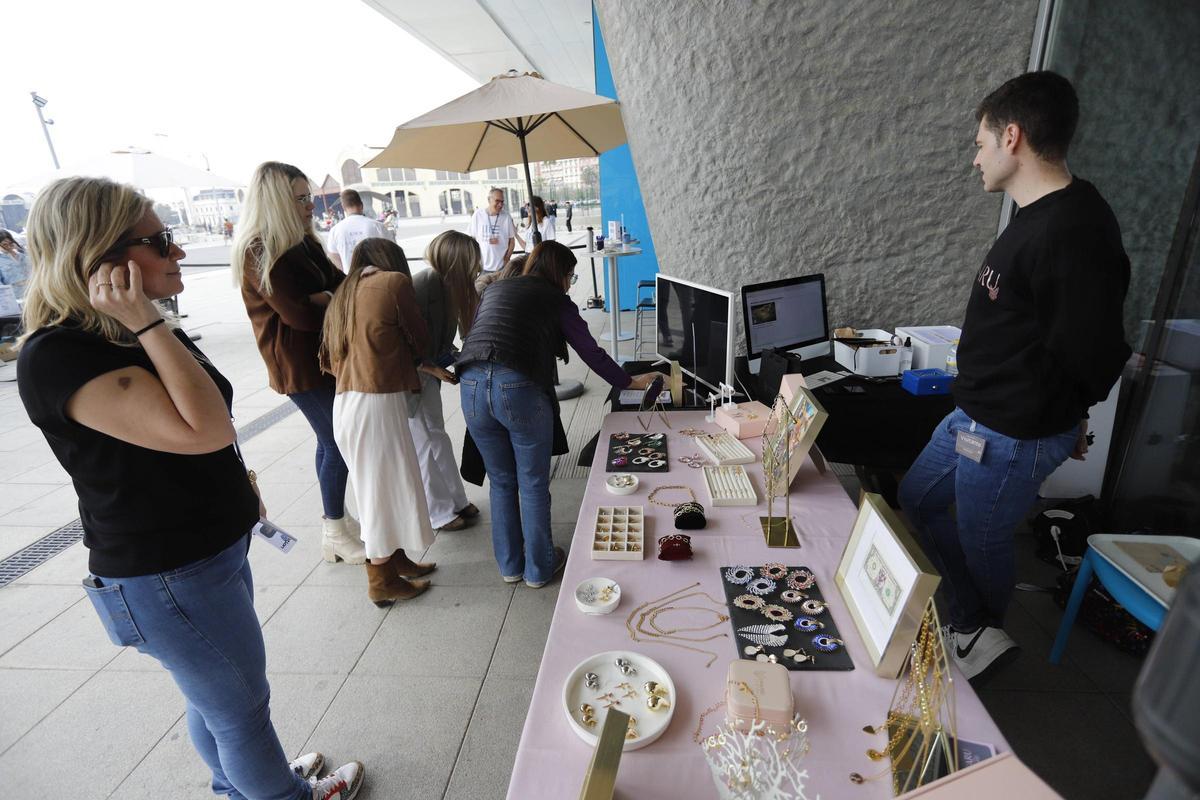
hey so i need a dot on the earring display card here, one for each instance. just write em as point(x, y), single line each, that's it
point(633, 452)
point(794, 639)
point(619, 534)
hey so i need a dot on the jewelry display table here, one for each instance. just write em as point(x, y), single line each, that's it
point(551, 760)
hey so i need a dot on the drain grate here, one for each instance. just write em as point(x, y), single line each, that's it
point(589, 415)
point(39, 552)
point(259, 424)
point(33, 556)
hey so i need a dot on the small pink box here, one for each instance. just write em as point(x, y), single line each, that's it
point(758, 689)
point(747, 421)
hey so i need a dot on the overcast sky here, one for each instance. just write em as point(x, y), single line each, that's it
point(240, 82)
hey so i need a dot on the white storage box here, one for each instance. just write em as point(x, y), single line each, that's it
point(930, 343)
point(873, 361)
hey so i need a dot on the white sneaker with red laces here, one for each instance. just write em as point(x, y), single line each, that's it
point(341, 784)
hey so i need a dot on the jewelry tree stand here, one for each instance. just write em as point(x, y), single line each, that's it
point(922, 738)
point(777, 462)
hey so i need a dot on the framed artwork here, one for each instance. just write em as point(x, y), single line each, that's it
point(886, 581)
point(790, 444)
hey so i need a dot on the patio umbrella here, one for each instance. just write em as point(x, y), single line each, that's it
point(502, 123)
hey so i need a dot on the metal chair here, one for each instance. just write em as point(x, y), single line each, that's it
point(644, 304)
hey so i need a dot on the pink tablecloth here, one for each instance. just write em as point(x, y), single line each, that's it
point(551, 759)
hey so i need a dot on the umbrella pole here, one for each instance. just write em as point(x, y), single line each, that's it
point(537, 235)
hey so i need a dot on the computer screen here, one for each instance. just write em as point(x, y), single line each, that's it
point(784, 314)
point(695, 327)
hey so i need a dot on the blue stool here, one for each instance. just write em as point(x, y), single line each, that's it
point(1142, 593)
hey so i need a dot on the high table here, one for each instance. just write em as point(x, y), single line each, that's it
point(614, 294)
point(552, 759)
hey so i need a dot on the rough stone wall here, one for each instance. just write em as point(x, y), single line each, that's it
point(798, 136)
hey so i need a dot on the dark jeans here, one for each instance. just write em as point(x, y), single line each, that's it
point(972, 544)
point(317, 407)
point(511, 419)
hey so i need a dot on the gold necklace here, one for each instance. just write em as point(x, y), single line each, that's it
point(742, 687)
point(654, 616)
point(650, 497)
point(668, 598)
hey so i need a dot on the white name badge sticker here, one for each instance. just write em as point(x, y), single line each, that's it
point(970, 445)
point(275, 536)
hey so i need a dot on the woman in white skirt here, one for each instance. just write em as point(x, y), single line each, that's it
point(374, 338)
point(447, 301)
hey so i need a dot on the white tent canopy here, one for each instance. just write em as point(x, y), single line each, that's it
point(136, 167)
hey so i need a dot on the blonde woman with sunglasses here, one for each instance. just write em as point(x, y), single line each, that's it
point(287, 281)
point(140, 420)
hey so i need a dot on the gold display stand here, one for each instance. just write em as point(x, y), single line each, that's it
point(777, 473)
point(922, 740)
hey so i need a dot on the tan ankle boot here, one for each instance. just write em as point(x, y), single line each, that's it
point(407, 568)
point(340, 541)
point(385, 587)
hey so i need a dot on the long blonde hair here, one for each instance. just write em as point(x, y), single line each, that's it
point(384, 254)
point(269, 226)
point(455, 257)
point(73, 226)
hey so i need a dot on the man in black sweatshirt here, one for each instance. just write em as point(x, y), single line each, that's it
point(1042, 341)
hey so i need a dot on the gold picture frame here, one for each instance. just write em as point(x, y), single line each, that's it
point(791, 443)
point(886, 581)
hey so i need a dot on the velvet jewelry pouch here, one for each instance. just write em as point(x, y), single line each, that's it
point(690, 516)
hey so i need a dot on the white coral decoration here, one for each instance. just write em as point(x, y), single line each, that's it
point(761, 764)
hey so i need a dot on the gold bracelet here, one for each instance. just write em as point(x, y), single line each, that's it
point(253, 476)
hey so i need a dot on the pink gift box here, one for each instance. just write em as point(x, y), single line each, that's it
point(739, 422)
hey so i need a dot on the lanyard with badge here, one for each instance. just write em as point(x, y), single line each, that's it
point(493, 229)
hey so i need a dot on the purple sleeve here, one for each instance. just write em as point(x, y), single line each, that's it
point(580, 338)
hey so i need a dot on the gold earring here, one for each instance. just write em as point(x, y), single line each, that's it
point(657, 703)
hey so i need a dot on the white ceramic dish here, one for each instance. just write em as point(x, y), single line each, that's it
point(613, 483)
point(588, 596)
point(650, 724)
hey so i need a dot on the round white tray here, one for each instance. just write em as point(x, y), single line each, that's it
point(650, 724)
point(613, 488)
point(587, 596)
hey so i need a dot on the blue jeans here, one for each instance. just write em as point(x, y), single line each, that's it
point(317, 407)
point(973, 550)
point(198, 621)
point(511, 419)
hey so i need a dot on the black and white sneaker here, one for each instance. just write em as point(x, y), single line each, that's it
point(982, 650)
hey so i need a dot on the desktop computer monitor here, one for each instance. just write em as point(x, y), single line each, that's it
point(694, 326)
point(785, 314)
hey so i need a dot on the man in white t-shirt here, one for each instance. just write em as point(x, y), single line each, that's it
point(493, 228)
point(346, 235)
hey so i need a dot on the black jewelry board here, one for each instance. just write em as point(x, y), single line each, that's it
point(796, 638)
point(655, 442)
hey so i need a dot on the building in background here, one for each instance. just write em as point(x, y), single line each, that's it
point(573, 179)
point(418, 192)
point(211, 207)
